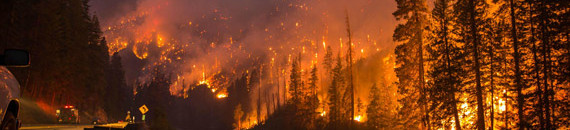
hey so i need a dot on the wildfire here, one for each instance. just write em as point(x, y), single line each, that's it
point(222, 95)
point(502, 106)
point(248, 124)
point(204, 82)
point(159, 41)
point(358, 118)
point(151, 42)
point(140, 53)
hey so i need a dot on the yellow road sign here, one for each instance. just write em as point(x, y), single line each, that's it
point(143, 109)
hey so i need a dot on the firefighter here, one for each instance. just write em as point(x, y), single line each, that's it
point(128, 118)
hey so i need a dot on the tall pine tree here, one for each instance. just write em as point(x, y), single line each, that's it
point(409, 62)
point(334, 95)
point(445, 71)
point(470, 19)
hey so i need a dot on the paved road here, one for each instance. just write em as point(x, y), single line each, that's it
point(55, 126)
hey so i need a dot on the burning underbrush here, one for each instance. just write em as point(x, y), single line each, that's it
point(254, 100)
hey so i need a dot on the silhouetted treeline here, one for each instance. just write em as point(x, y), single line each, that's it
point(155, 94)
point(119, 98)
point(69, 57)
point(199, 110)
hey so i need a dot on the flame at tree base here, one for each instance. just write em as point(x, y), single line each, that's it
point(358, 118)
point(221, 95)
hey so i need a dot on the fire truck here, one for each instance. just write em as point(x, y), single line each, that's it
point(67, 115)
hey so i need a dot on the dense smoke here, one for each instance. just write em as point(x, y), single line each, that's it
point(208, 30)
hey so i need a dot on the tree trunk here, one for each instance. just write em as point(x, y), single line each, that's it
point(419, 36)
point(518, 84)
point(479, 88)
point(546, 65)
point(448, 59)
point(492, 88)
point(350, 71)
point(259, 97)
point(278, 87)
point(536, 71)
point(506, 111)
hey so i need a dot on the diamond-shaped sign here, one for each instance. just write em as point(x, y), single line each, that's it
point(143, 109)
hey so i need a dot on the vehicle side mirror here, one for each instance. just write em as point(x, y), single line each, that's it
point(15, 58)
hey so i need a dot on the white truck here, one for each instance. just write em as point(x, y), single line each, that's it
point(10, 88)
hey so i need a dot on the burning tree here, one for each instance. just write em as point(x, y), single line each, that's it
point(334, 102)
point(410, 62)
point(492, 65)
point(445, 69)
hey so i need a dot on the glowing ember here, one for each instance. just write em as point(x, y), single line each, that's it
point(502, 106)
point(159, 42)
point(358, 118)
point(221, 95)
